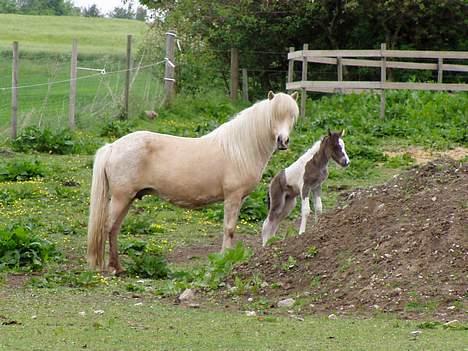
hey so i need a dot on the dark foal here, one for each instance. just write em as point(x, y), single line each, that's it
point(302, 177)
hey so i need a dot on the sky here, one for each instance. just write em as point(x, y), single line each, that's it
point(104, 6)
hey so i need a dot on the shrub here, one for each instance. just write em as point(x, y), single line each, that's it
point(18, 170)
point(116, 128)
point(148, 260)
point(20, 249)
point(35, 139)
point(71, 279)
point(219, 266)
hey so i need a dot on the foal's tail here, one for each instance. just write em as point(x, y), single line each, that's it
point(98, 209)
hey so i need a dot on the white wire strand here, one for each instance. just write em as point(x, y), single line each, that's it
point(80, 78)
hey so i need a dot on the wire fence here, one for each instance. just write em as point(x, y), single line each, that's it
point(44, 85)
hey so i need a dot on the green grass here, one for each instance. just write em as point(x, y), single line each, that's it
point(66, 319)
point(54, 34)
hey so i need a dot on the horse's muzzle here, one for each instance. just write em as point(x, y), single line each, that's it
point(282, 143)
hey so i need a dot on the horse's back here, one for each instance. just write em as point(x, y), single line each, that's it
point(186, 171)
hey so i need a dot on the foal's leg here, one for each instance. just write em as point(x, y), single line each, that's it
point(278, 211)
point(276, 202)
point(305, 210)
point(232, 206)
point(119, 206)
point(317, 202)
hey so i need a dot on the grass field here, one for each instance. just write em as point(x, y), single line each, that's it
point(67, 320)
point(54, 34)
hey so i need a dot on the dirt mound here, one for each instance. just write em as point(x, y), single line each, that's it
point(399, 247)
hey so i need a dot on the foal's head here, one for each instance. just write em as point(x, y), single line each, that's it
point(336, 148)
point(284, 112)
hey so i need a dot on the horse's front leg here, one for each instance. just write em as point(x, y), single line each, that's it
point(317, 202)
point(232, 206)
point(305, 210)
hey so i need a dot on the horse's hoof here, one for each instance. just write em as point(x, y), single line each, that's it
point(116, 271)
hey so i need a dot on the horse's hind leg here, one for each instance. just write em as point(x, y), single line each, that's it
point(232, 205)
point(119, 206)
point(281, 206)
point(317, 202)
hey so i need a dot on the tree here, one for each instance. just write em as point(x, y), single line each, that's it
point(91, 11)
point(122, 12)
point(7, 6)
point(141, 14)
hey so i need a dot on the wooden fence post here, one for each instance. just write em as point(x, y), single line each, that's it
point(245, 85)
point(127, 76)
point(291, 67)
point(440, 69)
point(304, 78)
point(14, 90)
point(169, 80)
point(73, 74)
point(383, 78)
point(339, 72)
point(234, 73)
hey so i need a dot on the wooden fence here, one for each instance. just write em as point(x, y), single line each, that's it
point(379, 60)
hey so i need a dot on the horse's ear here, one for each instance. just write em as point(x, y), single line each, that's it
point(271, 95)
point(329, 132)
point(295, 95)
point(342, 133)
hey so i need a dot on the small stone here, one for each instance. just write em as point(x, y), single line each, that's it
point(99, 312)
point(452, 324)
point(434, 198)
point(138, 304)
point(33, 317)
point(416, 333)
point(194, 305)
point(82, 313)
point(187, 295)
point(332, 316)
point(250, 313)
point(451, 307)
point(264, 285)
point(286, 302)
point(250, 299)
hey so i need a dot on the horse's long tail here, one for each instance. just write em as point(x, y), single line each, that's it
point(98, 209)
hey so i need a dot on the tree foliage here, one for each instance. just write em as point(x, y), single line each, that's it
point(259, 27)
point(38, 7)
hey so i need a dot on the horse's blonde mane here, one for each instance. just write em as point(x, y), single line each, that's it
point(247, 139)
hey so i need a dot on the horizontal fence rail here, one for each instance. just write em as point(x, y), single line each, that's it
point(375, 59)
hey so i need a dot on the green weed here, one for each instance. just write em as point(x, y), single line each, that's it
point(400, 161)
point(20, 249)
point(148, 260)
point(19, 170)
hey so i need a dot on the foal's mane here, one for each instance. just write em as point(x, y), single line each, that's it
point(247, 138)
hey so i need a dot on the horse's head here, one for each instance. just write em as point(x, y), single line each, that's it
point(337, 148)
point(284, 114)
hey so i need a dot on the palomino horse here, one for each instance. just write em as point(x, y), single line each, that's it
point(303, 176)
point(225, 164)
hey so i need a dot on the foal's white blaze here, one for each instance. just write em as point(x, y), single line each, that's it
point(341, 142)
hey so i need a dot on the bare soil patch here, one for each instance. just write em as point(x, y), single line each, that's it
point(401, 247)
point(422, 156)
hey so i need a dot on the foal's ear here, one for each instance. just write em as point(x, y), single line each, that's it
point(329, 132)
point(271, 95)
point(295, 95)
